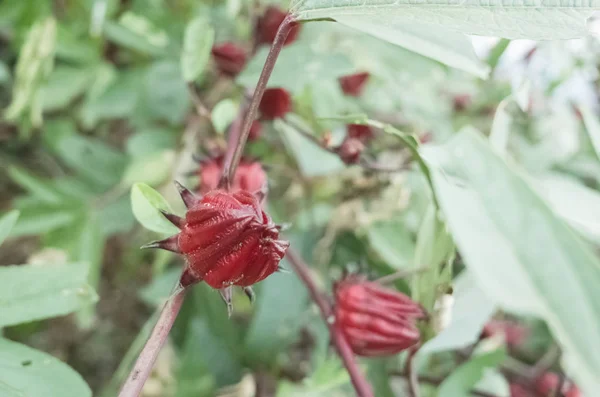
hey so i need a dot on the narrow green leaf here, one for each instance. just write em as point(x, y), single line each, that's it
point(35, 292)
point(44, 218)
point(127, 38)
point(197, 43)
point(497, 52)
point(524, 257)
point(32, 373)
point(146, 203)
point(36, 186)
point(393, 243)
point(592, 126)
point(7, 221)
point(462, 380)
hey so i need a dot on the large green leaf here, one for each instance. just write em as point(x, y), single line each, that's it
point(444, 45)
point(545, 20)
point(35, 292)
point(197, 43)
point(524, 257)
point(31, 373)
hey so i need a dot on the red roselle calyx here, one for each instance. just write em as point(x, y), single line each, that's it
point(350, 150)
point(249, 175)
point(268, 24)
point(230, 58)
point(354, 84)
point(275, 103)
point(255, 131)
point(226, 239)
point(376, 321)
point(548, 382)
point(516, 390)
point(363, 133)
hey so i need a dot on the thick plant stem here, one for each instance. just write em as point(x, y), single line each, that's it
point(361, 385)
point(143, 366)
point(232, 160)
point(413, 377)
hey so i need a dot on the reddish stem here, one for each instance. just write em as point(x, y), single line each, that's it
point(234, 152)
point(143, 366)
point(361, 385)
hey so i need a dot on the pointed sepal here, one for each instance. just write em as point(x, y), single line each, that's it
point(168, 244)
point(177, 221)
point(250, 294)
point(189, 198)
point(226, 294)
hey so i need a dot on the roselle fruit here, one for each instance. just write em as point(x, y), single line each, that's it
point(268, 24)
point(363, 133)
point(275, 103)
point(547, 383)
point(230, 58)
point(226, 239)
point(350, 150)
point(375, 321)
point(354, 84)
point(249, 175)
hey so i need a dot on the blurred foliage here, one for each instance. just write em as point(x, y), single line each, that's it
point(100, 113)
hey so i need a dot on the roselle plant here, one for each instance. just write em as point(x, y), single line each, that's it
point(407, 216)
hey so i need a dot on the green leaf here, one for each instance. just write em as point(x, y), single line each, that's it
point(436, 42)
point(146, 203)
point(44, 218)
point(127, 38)
point(197, 44)
point(281, 300)
point(393, 243)
point(152, 169)
point(562, 19)
point(592, 126)
point(311, 159)
point(36, 186)
point(223, 115)
point(297, 66)
point(462, 380)
point(32, 373)
point(523, 256)
point(35, 292)
point(472, 309)
point(63, 86)
point(166, 96)
point(7, 221)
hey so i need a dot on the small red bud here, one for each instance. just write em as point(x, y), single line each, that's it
point(268, 23)
point(230, 58)
point(255, 131)
point(363, 133)
point(249, 176)
point(350, 150)
point(376, 321)
point(461, 102)
point(425, 138)
point(275, 103)
point(517, 390)
point(514, 334)
point(548, 382)
point(354, 84)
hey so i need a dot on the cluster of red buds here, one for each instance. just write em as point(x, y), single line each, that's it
point(268, 24)
point(374, 320)
point(226, 239)
point(249, 175)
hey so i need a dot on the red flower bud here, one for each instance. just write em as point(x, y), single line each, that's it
point(249, 176)
point(548, 382)
point(363, 133)
point(461, 102)
point(226, 239)
point(230, 58)
point(514, 334)
point(354, 84)
point(255, 131)
point(266, 28)
point(350, 150)
point(375, 321)
point(425, 138)
point(275, 103)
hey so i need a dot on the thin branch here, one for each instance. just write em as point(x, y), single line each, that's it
point(143, 366)
point(231, 164)
point(400, 274)
point(547, 360)
point(198, 104)
point(361, 385)
point(412, 374)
